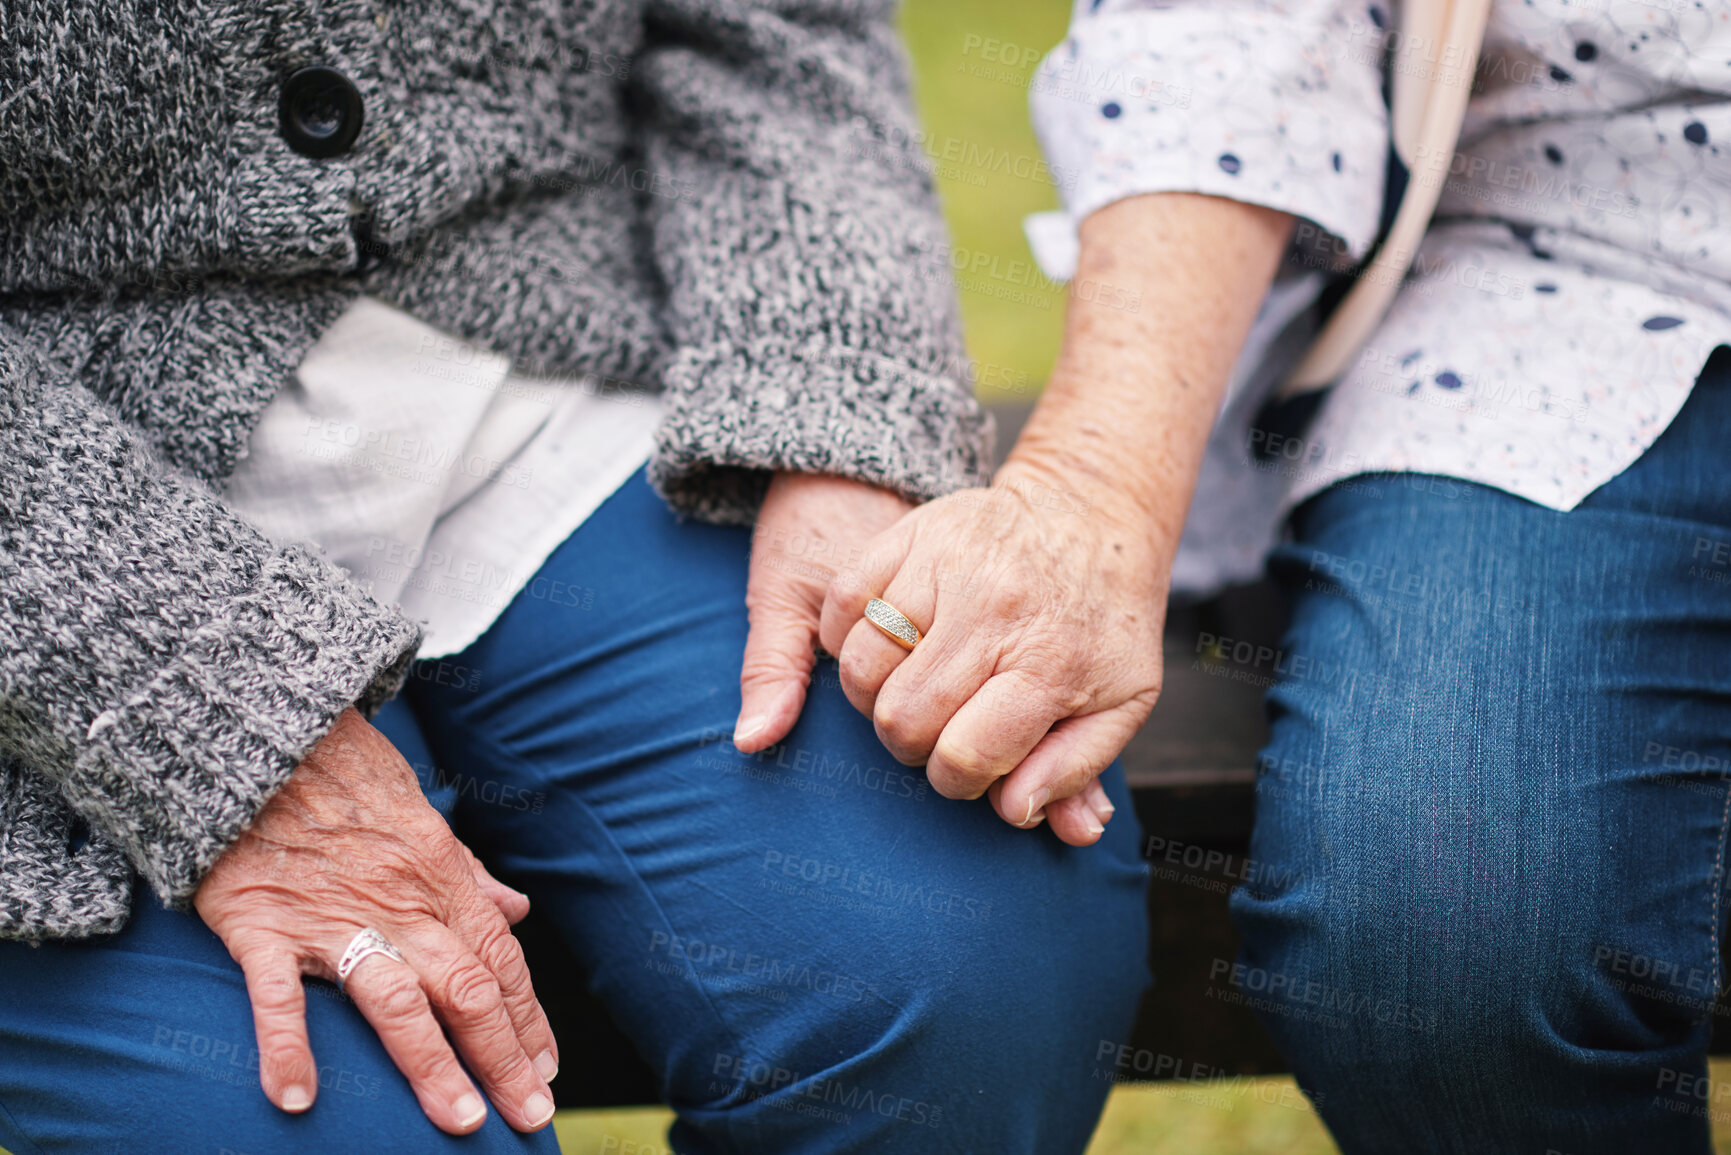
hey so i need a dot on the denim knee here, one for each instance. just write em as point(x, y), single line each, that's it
point(1462, 849)
point(1401, 979)
point(972, 1022)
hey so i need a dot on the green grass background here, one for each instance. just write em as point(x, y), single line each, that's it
point(978, 108)
point(1229, 1117)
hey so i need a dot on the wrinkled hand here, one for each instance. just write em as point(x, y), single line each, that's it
point(1041, 618)
point(810, 526)
point(348, 843)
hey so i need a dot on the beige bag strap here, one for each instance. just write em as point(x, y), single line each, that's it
point(1429, 100)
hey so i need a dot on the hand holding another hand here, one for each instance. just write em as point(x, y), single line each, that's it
point(1041, 614)
point(810, 527)
point(1042, 611)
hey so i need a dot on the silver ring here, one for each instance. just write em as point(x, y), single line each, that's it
point(368, 942)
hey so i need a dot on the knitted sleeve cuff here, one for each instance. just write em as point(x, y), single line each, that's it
point(176, 771)
point(737, 420)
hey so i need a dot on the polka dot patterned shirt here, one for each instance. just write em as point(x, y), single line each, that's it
point(1575, 277)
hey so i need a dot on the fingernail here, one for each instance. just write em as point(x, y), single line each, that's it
point(538, 1108)
point(470, 1110)
point(547, 1066)
point(1094, 827)
point(296, 1099)
point(1105, 809)
point(1037, 801)
point(748, 727)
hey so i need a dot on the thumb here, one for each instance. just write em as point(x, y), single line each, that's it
point(1073, 753)
point(779, 655)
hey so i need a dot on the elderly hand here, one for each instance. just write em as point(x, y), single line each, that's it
point(1041, 615)
point(811, 525)
point(981, 559)
point(350, 843)
point(1042, 598)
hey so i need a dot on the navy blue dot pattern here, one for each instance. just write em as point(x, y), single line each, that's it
point(1576, 276)
point(1251, 100)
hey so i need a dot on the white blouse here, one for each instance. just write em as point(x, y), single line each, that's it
point(1574, 280)
point(439, 474)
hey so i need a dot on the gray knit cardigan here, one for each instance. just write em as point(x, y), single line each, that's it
point(716, 198)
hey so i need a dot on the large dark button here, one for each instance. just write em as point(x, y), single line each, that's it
point(320, 112)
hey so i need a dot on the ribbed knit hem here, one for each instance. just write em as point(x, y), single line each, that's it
point(48, 889)
point(188, 761)
point(838, 412)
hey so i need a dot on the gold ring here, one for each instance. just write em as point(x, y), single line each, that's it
point(892, 622)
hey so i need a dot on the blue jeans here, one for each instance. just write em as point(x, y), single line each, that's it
point(814, 951)
point(1491, 818)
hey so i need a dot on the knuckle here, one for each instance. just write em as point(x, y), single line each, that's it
point(469, 992)
point(1018, 602)
point(1073, 779)
point(954, 786)
point(951, 784)
point(960, 759)
point(891, 724)
point(1069, 700)
point(903, 748)
point(859, 699)
point(858, 671)
point(252, 945)
point(907, 755)
point(503, 955)
point(769, 668)
point(281, 1049)
point(1052, 680)
point(274, 988)
point(400, 1001)
point(898, 722)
